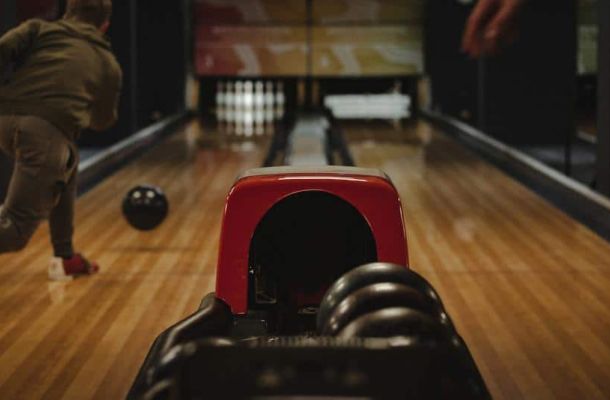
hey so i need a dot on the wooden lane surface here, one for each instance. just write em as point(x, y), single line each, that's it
point(527, 286)
point(87, 338)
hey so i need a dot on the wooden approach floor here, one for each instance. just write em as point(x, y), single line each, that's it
point(86, 339)
point(526, 285)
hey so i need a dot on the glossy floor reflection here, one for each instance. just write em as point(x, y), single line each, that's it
point(527, 286)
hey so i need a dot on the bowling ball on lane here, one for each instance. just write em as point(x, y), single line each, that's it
point(145, 207)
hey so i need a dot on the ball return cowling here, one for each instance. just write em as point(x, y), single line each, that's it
point(314, 299)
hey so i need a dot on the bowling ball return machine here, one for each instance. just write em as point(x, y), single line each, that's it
point(314, 299)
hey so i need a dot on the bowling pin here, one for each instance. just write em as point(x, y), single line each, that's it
point(248, 121)
point(269, 96)
point(269, 115)
point(239, 94)
point(248, 94)
point(259, 128)
point(230, 106)
point(229, 96)
point(280, 100)
point(248, 129)
point(259, 108)
point(259, 95)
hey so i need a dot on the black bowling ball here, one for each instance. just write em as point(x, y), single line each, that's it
point(145, 207)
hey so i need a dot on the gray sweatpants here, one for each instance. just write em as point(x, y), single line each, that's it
point(42, 186)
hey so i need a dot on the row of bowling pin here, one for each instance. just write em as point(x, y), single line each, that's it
point(247, 124)
point(250, 102)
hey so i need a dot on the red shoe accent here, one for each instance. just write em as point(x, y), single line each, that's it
point(79, 265)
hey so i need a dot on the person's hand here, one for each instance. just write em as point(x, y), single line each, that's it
point(491, 26)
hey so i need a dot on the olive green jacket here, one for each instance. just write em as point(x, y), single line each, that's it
point(63, 72)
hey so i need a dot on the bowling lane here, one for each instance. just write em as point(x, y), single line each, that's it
point(528, 286)
point(87, 338)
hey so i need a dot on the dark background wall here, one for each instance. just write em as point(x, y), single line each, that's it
point(603, 122)
point(526, 95)
point(161, 51)
point(453, 74)
point(8, 19)
point(8, 14)
point(530, 90)
point(148, 40)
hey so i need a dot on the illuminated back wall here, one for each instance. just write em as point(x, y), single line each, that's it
point(327, 39)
